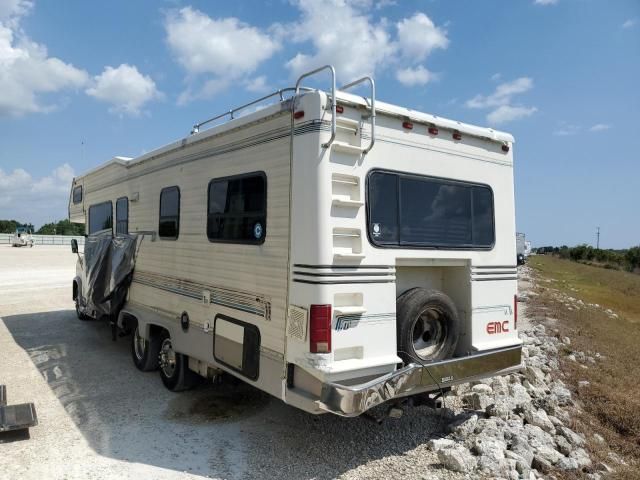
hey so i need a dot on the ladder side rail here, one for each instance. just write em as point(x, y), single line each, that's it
point(373, 107)
point(333, 97)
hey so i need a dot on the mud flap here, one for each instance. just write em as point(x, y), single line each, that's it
point(16, 417)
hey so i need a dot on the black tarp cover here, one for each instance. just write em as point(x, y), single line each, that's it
point(108, 266)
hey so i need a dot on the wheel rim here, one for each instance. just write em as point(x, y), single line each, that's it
point(429, 333)
point(139, 345)
point(167, 358)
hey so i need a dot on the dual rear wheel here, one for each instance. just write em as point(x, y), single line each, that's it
point(158, 353)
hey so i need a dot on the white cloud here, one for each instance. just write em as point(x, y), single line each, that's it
point(257, 84)
point(125, 88)
point(630, 23)
point(545, 2)
point(26, 70)
point(418, 37)
point(496, 77)
point(502, 94)
point(600, 127)
point(36, 200)
point(414, 76)
point(566, 129)
point(220, 49)
point(342, 33)
point(501, 101)
point(507, 113)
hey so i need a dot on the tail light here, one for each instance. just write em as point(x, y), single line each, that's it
point(298, 115)
point(515, 312)
point(339, 109)
point(408, 125)
point(320, 329)
point(433, 130)
point(457, 135)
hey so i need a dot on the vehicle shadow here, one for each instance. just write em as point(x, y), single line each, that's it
point(229, 431)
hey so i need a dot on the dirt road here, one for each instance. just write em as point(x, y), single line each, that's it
point(101, 418)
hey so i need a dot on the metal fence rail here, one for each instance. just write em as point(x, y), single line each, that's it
point(5, 238)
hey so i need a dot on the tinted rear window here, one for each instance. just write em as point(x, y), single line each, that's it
point(416, 211)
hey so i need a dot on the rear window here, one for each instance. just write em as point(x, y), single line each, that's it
point(416, 211)
point(100, 217)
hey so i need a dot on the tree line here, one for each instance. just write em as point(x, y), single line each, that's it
point(62, 227)
point(628, 259)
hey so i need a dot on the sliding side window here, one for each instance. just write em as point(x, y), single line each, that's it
point(169, 225)
point(237, 209)
point(100, 217)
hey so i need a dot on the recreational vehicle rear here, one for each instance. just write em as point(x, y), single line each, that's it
point(334, 251)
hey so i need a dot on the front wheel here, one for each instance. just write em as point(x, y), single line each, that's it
point(428, 326)
point(174, 367)
point(145, 352)
point(79, 313)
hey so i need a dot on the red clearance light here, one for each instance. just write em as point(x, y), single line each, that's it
point(320, 329)
point(457, 135)
point(339, 109)
point(298, 114)
point(515, 312)
point(505, 148)
point(433, 130)
point(407, 125)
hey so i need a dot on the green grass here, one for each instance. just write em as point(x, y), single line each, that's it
point(611, 402)
point(614, 289)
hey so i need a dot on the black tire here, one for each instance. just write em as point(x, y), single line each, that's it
point(81, 316)
point(144, 352)
point(427, 324)
point(174, 367)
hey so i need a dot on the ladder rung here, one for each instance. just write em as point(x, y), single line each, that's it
point(347, 148)
point(339, 202)
point(352, 310)
point(348, 256)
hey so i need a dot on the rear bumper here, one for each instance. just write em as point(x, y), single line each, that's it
point(352, 400)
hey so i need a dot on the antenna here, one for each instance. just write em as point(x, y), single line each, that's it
point(598, 238)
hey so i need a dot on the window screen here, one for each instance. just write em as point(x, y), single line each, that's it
point(100, 217)
point(237, 210)
point(415, 211)
point(77, 194)
point(122, 215)
point(169, 226)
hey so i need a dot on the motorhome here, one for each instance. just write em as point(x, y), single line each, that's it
point(332, 250)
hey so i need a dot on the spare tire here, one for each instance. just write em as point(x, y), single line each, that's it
point(427, 324)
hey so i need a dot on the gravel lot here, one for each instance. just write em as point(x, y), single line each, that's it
point(101, 418)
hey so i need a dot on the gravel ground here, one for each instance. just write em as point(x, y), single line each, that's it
point(102, 418)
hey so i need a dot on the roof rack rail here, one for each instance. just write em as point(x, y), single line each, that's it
point(280, 93)
point(298, 88)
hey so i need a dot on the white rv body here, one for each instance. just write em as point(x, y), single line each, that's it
point(248, 304)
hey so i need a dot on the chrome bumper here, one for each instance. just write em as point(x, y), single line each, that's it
point(352, 400)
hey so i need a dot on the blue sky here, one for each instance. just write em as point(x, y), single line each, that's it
point(81, 82)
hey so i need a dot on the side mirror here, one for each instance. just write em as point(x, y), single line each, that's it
point(74, 245)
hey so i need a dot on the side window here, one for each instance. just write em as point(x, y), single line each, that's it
point(100, 217)
point(169, 225)
point(122, 215)
point(237, 209)
point(77, 194)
